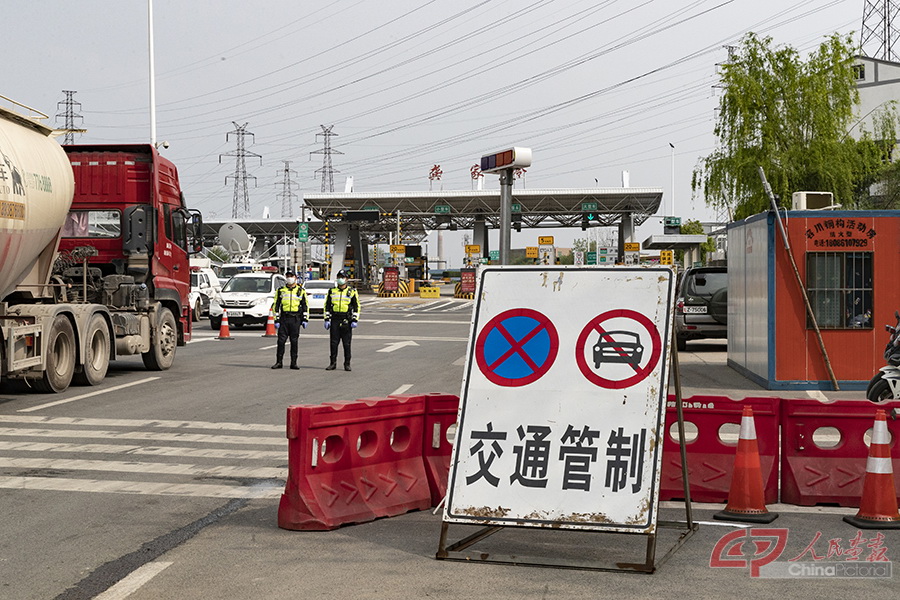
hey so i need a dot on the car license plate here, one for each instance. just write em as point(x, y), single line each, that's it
point(235, 313)
point(318, 296)
point(695, 310)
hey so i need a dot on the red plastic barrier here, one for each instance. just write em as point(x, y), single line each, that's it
point(440, 415)
point(813, 473)
point(350, 462)
point(711, 460)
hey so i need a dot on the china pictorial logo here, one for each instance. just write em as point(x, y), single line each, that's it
point(759, 548)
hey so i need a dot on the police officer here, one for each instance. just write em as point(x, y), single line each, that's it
point(292, 311)
point(341, 317)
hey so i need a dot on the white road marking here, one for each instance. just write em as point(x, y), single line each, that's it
point(396, 346)
point(401, 389)
point(88, 395)
point(440, 306)
point(139, 435)
point(223, 453)
point(114, 466)
point(133, 581)
point(420, 322)
point(198, 490)
point(357, 336)
point(268, 347)
point(161, 423)
point(199, 339)
point(777, 508)
point(460, 362)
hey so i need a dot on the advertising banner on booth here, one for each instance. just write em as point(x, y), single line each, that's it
point(563, 399)
point(391, 279)
point(467, 281)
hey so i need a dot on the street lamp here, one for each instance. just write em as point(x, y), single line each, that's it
point(672, 146)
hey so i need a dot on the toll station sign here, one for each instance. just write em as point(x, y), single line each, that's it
point(562, 406)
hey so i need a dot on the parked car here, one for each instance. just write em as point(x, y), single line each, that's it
point(204, 286)
point(701, 305)
point(247, 297)
point(316, 290)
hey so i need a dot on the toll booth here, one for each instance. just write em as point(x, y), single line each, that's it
point(847, 261)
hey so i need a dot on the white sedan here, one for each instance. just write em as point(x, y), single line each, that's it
point(316, 290)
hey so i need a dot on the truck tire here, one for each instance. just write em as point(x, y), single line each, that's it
point(195, 313)
point(163, 340)
point(60, 359)
point(96, 353)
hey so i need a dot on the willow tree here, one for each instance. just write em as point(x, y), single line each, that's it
point(791, 117)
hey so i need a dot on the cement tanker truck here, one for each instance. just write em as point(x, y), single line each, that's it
point(94, 246)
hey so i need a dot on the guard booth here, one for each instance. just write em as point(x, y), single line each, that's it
point(847, 261)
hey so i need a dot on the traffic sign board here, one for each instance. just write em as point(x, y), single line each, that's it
point(592, 258)
point(626, 350)
point(666, 257)
point(398, 249)
point(578, 258)
point(545, 240)
point(586, 206)
point(516, 347)
point(302, 232)
point(531, 251)
point(441, 209)
point(515, 207)
point(494, 254)
point(473, 249)
point(632, 247)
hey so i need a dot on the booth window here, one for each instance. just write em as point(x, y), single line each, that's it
point(840, 289)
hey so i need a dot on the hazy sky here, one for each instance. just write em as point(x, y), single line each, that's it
point(594, 87)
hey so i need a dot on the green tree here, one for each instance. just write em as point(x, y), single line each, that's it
point(791, 117)
point(694, 227)
point(218, 253)
point(584, 245)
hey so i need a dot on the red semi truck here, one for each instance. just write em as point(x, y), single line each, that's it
point(94, 246)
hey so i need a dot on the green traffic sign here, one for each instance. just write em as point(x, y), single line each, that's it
point(672, 221)
point(441, 209)
point(494, 254)
point(303, 232)
point(591, 258)
point(515, 207)
point(586, 206)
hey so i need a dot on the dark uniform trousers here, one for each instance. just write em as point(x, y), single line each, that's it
point(341, 332)
point(288, 327)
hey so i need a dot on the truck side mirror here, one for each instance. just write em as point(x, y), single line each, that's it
point(196, 231)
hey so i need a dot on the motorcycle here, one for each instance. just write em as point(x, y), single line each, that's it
point(885, 385)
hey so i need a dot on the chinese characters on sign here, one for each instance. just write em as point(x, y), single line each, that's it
point(840, 233)
point(391, 279)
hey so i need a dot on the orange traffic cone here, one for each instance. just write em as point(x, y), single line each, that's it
point(746, 499)
point(270, 326)
point(878, 505)
point(224, 331)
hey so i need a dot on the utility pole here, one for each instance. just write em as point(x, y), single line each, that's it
point(877, 36)
point(287, 194)
point(240, 208)
point(327, 170)
point(67, 110)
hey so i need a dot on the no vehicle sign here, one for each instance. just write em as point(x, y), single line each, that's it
point(563, 398)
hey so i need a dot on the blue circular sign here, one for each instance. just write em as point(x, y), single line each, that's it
point(516, 347)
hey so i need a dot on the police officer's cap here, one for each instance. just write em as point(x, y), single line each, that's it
point(342, 275)
point(289, 274)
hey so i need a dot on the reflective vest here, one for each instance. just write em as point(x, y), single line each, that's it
point(291, 300)
point(342, 301)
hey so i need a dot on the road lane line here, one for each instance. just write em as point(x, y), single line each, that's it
point(401, 389)
point(199, 339)
point(133, 581)
point(140, 435)
point(421, 322)
point(160, 423)
point(357, 336)
point(268, 347)
point(460, 362)
point(441, 306)
point(218, 453)
point(144, 488)
point(88, 395)
point(113, 466)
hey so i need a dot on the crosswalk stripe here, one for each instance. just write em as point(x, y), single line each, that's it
point(143, 467)
point(140, 435)
point(199, 490)
point(223, 453)
point(159, 423)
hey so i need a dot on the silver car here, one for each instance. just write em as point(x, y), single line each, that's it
point(701, 305)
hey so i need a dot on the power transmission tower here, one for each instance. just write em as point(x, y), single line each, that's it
point(327, 170)
point(287, 194)
point(67, 110)
point(878, 38)
point(241, 206)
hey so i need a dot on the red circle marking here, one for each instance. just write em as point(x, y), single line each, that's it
point(543, 323)
point(641, 373)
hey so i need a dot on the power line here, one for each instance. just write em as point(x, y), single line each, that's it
point(241, 205)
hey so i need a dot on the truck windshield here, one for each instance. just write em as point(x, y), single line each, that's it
point(92, 224)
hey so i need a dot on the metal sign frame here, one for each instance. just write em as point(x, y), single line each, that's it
point(460, 550)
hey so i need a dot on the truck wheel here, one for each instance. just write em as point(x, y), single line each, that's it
point(880, 391)
point(195, 314)
point(162, 343)
point(60, 363)
point(96, 353)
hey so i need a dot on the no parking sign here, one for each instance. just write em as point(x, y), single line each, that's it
point(562, 404)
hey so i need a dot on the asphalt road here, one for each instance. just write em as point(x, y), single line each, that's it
point(166, 485)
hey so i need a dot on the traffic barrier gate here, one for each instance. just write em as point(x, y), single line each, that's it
point(440, 416)
point(829, 470)
point(351, 462)
point(710, 458)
